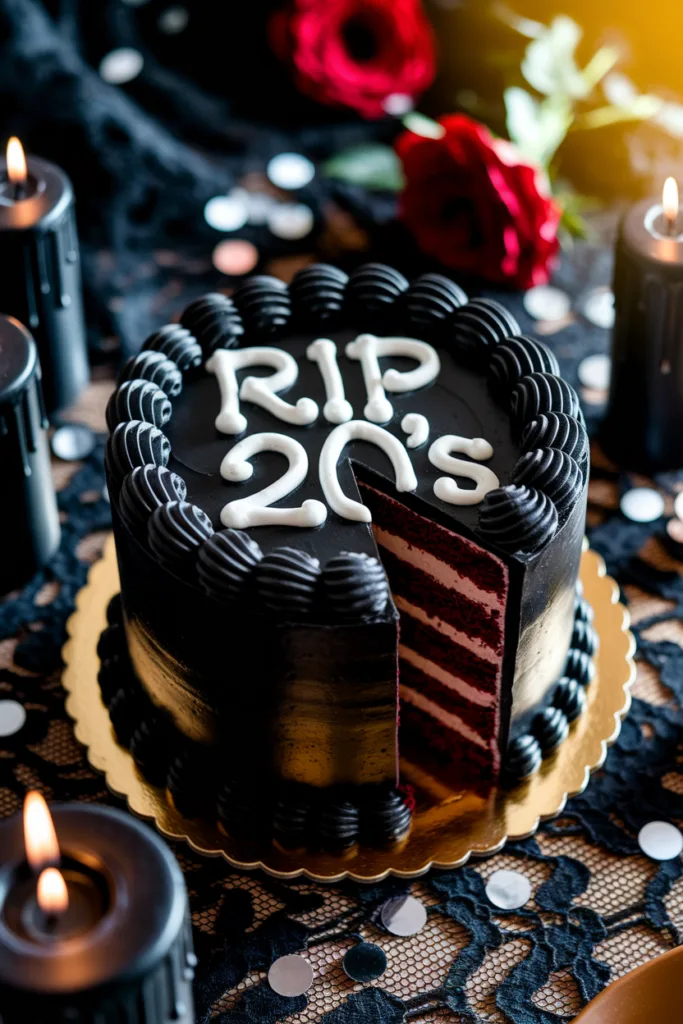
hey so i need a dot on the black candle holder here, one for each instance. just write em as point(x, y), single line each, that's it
point(40, 283)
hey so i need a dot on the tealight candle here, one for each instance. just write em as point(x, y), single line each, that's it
point(94, 921)
point(40, 283)
point(643, 427)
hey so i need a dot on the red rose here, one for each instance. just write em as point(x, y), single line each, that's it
point(356, 53)
point(473, 204)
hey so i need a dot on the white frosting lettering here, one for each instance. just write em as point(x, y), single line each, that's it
point(347, 508)
point(254, 510)
point(417, 427)
point(445, 487)
point(324, 352)
point(368, 350)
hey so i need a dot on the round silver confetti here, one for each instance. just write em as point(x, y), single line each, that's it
point(642, 505)
point(290, 171)
point(398, 103)
point(173, 20)
point(72, 442)
point(12, 717)
point(598, 307)
point(259, 205)
point(365, 962)
point(595, 371)
point(404, 915)
point(121, 66)
point(678, 505)
point(546, 303)
point(290, 975)
point(508, 890)
point(660, 840)
point(291, 221)
point(226, 213)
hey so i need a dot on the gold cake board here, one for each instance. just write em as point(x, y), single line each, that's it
point(447, 829)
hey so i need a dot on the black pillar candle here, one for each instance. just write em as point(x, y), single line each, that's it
point(643, 426)
point(40, 283)
point(121, 951)
point(29, 524)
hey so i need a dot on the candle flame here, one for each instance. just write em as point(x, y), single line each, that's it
point(52, 894)
point(40, 837)
point(16, 162)
point(670, 199)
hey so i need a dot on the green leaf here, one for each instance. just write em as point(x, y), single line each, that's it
point(421, 125)
point(370, 165)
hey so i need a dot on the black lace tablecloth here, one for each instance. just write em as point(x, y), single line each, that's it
point(599, 907)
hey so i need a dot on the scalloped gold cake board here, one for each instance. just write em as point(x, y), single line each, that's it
point(448, 828)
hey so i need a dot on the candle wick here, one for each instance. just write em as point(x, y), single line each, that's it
point(19, 190)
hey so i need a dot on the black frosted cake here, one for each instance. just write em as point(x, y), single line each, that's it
point(349, 516)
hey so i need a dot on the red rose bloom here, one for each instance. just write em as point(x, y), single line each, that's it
point(356, 53)
point(474, 205)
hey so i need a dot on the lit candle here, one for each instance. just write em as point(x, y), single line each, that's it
point(643, 426)
point(93, 920)
point(40, 283)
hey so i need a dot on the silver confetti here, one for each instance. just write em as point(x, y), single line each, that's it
point(226, 213)
point(365, 962)
point(72, 442)
point(12, 717)
point(660, 840)
point(508, 890)
point(121, 66)
point(290, 975)
point(598, 307)
point(397, 104)
point(290, 171)
point(404, 915)
point(291, 221)
point(678, 505)
point(546, 303)
point(173, 20)
point(642, 505)
point(595, 371)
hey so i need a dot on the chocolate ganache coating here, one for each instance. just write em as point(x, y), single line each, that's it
point(214, 321)
point(356, 585)
point(175, 531)
point(287, 581)
point(226, 563)
point(522, 758)
point(177, 344)
point(479, 326)
point(264, 305)
point(518, 518)
point(430, 301)
point(550, 727)
point(540, 393)
point(144, 490)
point(570, 696)
point(138, 400)
point(372, 293)
point(156, 367)
point(515, 358)
point(317, 294)
point(135, 444)
point(551, 471)
point(558, 430)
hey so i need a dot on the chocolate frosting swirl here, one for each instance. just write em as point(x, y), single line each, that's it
point(429, 302)
point(550, 727)
point(144, 490)
point(115, 611)
point(240, 812)
point(517, 518)
point(149, 748)
point(356, 586)
point(175, 531)
point(317, 293)
point(292, 817)
point(522, 758)
point(372, 293)
point(138, 400)
point(479, 326)
point(579, 666)
point(123, 714)
point(156, 367)
point(189, 781)
point(570, 697)
point(558, 430)
point(385, 817)
point(177, 344)
point(135, 444)
point(540, 393)
point(515, 358)
point(214, 321)
point(584, 638)
point(111, 642)
point(263, 303)
point(551, 471)
point(226, 562)
point(339, 824)
point(583, 611)
point(286, 582)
